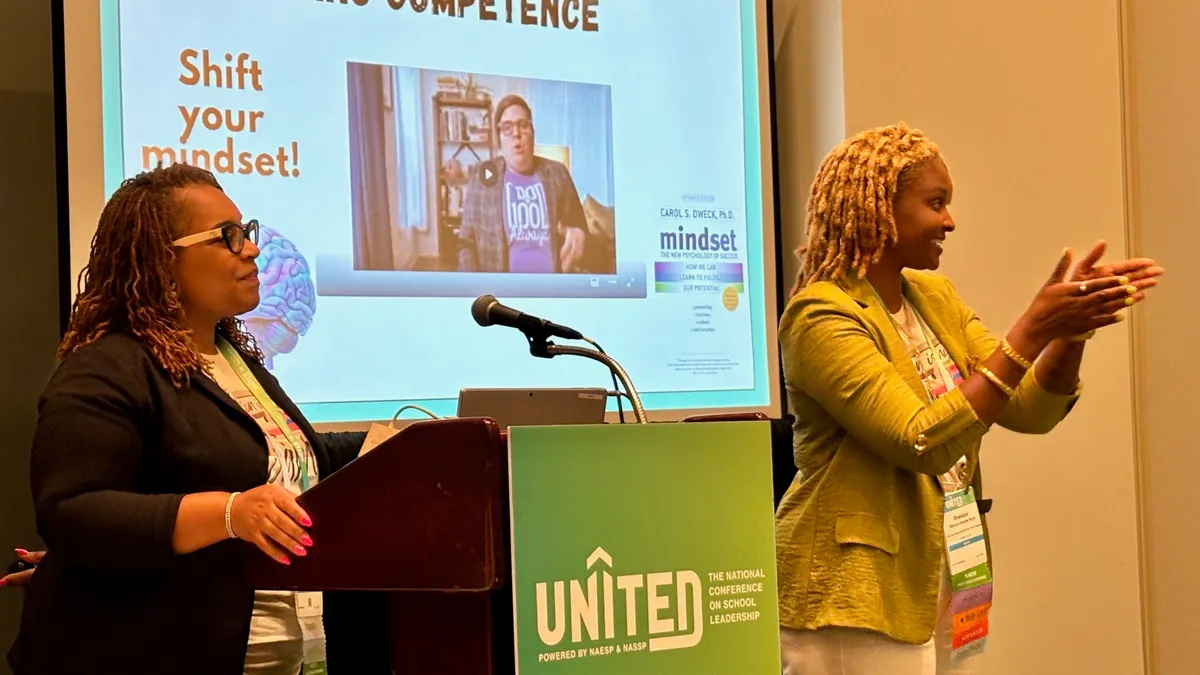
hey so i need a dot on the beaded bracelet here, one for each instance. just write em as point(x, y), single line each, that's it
point(229, 515)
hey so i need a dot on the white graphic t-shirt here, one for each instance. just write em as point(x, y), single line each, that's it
point(938, 371)
point(276, 640)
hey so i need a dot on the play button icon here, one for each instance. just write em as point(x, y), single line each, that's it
point(488, 173)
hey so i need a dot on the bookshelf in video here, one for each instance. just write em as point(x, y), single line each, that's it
point(464, 140)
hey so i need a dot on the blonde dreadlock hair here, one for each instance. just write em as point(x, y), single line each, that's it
point(129, 283)
point(850, 220)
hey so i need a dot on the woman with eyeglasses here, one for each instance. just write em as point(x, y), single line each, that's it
point(163, 447)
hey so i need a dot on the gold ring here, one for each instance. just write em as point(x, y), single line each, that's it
point(1083, 289)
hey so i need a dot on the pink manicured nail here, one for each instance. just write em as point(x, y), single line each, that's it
point(285, 560)
point(299, 550)
point(3, 583)
point(306, 540)
point(21, 552)
point(306, 521)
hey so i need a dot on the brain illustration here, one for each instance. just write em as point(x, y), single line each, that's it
point(289, 299)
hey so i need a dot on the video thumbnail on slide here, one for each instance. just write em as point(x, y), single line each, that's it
point(470, 172)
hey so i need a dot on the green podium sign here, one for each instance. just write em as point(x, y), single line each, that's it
point(644, 549)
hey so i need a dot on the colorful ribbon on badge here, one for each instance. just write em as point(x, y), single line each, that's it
point(970, 574)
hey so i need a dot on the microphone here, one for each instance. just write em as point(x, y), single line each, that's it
point(487, 311)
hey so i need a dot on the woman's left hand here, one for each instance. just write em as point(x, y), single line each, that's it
point(24, 577)
point(1142, 273)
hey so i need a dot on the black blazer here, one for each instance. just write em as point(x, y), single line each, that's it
point(116, 448)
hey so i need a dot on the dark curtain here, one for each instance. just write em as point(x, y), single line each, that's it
point(368, 167)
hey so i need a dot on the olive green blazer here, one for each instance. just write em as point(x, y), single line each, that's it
point(859, 533)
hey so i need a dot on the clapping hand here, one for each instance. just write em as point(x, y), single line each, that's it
point(1078, 299)
point(1142, 273)
point(1065, 309)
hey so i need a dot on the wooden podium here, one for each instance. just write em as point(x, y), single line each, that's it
point(424, 519)
point(411, 546)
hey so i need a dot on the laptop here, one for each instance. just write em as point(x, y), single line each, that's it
point(534, 407)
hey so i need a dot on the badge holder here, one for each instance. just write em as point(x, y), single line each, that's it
point(970, 571)
point(308, 610)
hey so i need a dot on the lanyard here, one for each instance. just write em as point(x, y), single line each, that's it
point(952, 479)
point(243, 372)
point(920, 325)
point(965, 549)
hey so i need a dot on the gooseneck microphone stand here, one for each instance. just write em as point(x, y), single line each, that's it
point(541, 347)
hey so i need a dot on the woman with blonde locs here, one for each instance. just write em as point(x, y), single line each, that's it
point(894, 381)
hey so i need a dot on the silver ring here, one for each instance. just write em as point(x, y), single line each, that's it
point(1083, 289)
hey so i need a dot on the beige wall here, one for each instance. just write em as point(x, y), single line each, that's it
point(1025, 100)
point(1163, 54)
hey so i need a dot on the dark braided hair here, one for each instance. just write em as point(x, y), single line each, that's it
point(129, 283)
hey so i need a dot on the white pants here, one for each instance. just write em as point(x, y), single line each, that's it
point(274, 658)
point(849, 651)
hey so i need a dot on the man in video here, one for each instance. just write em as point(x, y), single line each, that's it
point(521, 212)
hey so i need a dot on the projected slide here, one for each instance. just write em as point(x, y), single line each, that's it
point(595, 162)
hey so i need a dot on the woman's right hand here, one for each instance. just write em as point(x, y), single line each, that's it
point(269, 517)
point(23, 577)
point(1063, 309)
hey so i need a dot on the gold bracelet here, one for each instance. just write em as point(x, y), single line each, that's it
point(1082, 338)
point(1000, 384)
point(1014, 355)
